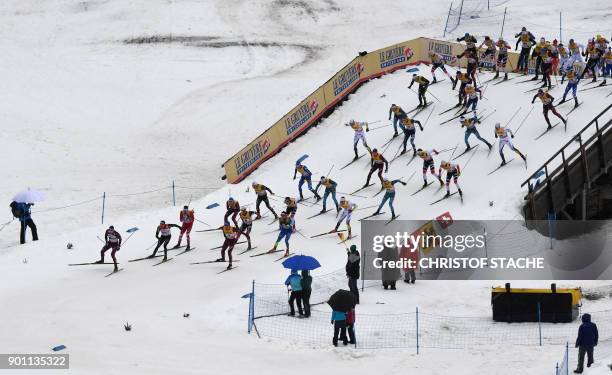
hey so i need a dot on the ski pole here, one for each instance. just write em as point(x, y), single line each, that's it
point(101, 240)
point(380, 127)
point(198, 220)
point(373, 122)
point(514, 115)
point(525, 119)
point(427, 120)
point(149, 248)
point(6, 224)
point(127, 239)
point(431, 93)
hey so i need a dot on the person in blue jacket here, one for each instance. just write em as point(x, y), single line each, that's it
point(586, 342)
point(294, 285)
point(338, 319)
point(25, 218)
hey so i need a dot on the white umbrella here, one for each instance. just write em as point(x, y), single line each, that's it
point(29, 196)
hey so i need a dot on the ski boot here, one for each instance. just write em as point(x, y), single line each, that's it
point(468, 148)
point(425, 184)
point(505, 76)
point(447, 194)
point(414, 152)
point(116, 269)
point(229, 266)
point(177, 246)
point(575, 102)
point(395, 134)
point(490, 146)
point(99, 262)
point(441, 182)
point(322, 211)
point(393, 216)
point(460, 192)
point(376, 213)
point(496, 75)
point(403, 152)
point(220, 260)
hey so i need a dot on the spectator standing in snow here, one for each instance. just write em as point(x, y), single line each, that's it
point(338, 319)
point(412, 255)
point(350, 326)
point(306, 290)
point(353, 271)
point(24, 214)
point(294, 284)
point(586, 342)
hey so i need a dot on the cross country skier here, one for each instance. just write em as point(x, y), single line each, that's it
point(398, 114)
point(470, 43)
point(547, 101)
point(572, 84)
point(112, 240)
point(527, 40)
point(472, 93)
point(607, 58)
point(428, 163)
point(465, 80)
point(407, 125)
point(330, 189)
point(186, 216)
point(262, 196)
point(389, 186)
point(233, 208)
point(470, 128)
point(593, 55)
point(306, 176)
point(438, 63)
point(554, 53)
point(536, 54)
point(546, 67)
point(163, 235)
point(287, 227)
point(502, 57)
point(359, 135)
point(452, 171)
point(246, 217)
point(502, 133)
point(231, 235)
point(423, 84)
point(489, 53)
point(575, 53)
point(377, 163)
point(291, 206)
point(347, 209)
point(563, 60)
point(472, 63)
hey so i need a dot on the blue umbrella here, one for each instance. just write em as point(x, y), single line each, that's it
point(301, 262)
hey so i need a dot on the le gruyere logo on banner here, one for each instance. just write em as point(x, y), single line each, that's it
point(251, 155)
point(301, 116)
point(345, 79)
point(394, 56)
point(445, 50)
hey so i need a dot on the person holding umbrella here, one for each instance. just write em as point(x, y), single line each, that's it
point(305, 263)
point(340, 302)
point(294, 285)
point(21, 208)
point(306, 291)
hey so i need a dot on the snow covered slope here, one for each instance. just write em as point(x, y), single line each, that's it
point(85, 112)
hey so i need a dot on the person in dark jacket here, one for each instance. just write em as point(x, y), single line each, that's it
point(350, 326)
point(306, 291)
point(586, 342)
point(25, 218)
point(338, 319)
point(294, 285)
point(352, 270)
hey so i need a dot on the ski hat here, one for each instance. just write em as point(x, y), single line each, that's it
point(254, 184)
point(111, 227)
point(524, 28)
point(162, 221)
point(322, 178)
point(462, 118)
point(542, 39)
point(287, 199)
point(497, 125)
point(231, 199)
point(385, 179)
point(185, 207)
point(284, 213)
point(243, 208)
point(375, 150)
point(487, 37)
point(540, 91)
point(353, 121)
point(571, 41)
point(342, 199)
point(466, 34)
point(555, 42)
point(353, 248)
point(298, 163)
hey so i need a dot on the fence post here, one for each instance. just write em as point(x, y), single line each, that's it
point(447, 18)
point(484, 230)
point(540, 323)
point(501, 34)
point(103, 204)
point(460, 12)
point(567, 358)
point(363, 254)
point(251, 307)
point(417, 329)
point(557, 369)
point(560, 28)
point(173, 195)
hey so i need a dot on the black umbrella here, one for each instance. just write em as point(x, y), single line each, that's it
point(342, 300)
